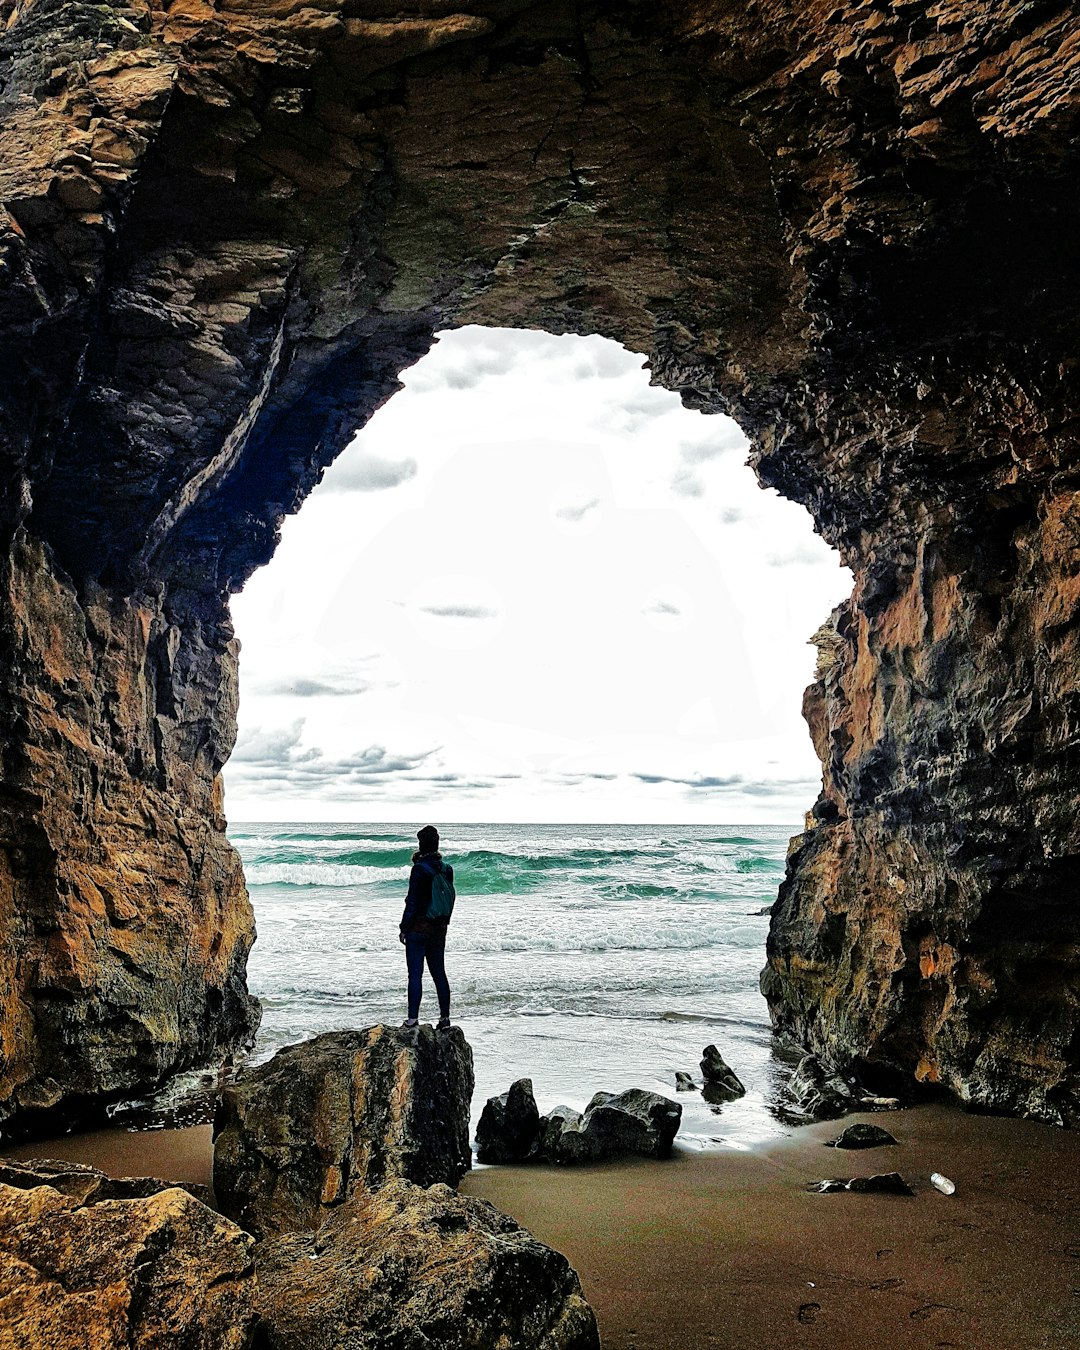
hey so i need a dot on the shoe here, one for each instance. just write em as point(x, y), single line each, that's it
point(411, 1022)
point(443, 1024)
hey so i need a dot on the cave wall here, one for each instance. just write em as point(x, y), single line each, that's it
point(227, 228)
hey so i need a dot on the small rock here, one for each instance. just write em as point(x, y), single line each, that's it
point(509, 1128)
point(721, 1083)
point(828, 1186)
point(684, 1082)
point(889, 1183)
point(879, 1103)
point(862, 1136)
point(886, 1183)
point(552, 1125)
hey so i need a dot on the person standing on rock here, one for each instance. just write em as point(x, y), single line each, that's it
point(428, 906)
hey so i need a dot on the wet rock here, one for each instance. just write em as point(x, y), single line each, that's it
point(684, 1082)
point(862, 1136)
point(348, 1109)
point(411, 1267)
point(552, 1127)
point(888, 1183)
point(721, 1082)
point(817, 1093)
point(87, 1261)
point(827, 1187)
point(509, 1127)
point(885, 1183)
point(613, 1125)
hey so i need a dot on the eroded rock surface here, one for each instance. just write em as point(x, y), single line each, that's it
point(224, 232)
point(124, 920)
point(345, 1111)
point(86, 1261)
point(407, 1266)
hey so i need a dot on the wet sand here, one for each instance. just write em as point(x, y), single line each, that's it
point(727, 1249)
point(173, 1155)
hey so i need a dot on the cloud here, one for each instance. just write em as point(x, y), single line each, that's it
point(781, 786)
point(305, 688)
point(274, 760)
point(460, 611)
point(735, 782)
point(576, 513)
point(662, 607)
point(801, 555)
point(697, 452)
point(477, 358)
point(718, 436)
point(606, 362)
point(267, 748)
point(687, 484)
point(630, 415)
point(731, 515)
point(475, 353)
point(359, 471)
point(710, 783)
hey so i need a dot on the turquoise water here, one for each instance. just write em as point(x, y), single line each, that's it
point(584, 957)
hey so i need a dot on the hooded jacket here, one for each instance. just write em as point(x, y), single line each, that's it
point(418, 898)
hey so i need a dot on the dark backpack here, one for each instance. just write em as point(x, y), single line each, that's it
point(443, 894)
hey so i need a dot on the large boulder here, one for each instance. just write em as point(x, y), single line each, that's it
point(91, 1263)
point(347, 1110)
point(612, 1125)
point(407, 1267)
point(509, 1125)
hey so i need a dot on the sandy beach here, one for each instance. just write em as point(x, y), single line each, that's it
point(727, 1249)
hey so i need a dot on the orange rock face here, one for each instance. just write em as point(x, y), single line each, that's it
point(224, 232)
point(127, 923)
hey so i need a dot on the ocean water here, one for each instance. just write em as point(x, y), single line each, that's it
point(582, 957)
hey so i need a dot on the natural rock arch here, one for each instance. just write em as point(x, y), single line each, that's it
point(226, 230)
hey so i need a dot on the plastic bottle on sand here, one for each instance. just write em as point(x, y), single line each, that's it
point(943, 1184)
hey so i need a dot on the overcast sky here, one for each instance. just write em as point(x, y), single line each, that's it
point(534, 588)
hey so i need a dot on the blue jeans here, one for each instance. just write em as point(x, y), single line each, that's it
point(430, 947)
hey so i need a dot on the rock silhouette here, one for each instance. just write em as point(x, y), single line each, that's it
point(509, 1127)
point(722, 1084)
